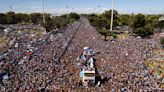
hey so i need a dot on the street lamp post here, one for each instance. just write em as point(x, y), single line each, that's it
point(67, 8)
point(44, 21)
point(11, 8)
point(98, 10)
point(94, 10)
point(111, 24)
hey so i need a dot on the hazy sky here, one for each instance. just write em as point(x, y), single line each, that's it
point(83, 6)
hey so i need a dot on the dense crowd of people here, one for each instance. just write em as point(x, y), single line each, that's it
point(48, 61)
point(29, 58)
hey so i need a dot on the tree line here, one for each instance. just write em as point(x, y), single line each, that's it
point(141, 25)
point(52, 22)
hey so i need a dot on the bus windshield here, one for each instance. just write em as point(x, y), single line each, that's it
point(89, 74)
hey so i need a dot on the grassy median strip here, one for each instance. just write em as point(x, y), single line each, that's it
point(3, 40)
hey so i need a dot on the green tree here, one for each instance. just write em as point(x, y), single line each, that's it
point(104, 32)
point(59, 21)
point(139, 31)
point(107, 33)
point(144, 31)
point(93, 18)
point(10, 17)
point(162, 42)
point(160, 24)
point(49, 25)
point(74, 16)
point(20, 17)
point(103, 20)
point(114, 35)
point(125, 19)
point(107, 16)
point(152, 20)
point(139, 21)
point(149, 30)
point(101, 23)
point(36, 18)
point(3, 18)
point(140, 28)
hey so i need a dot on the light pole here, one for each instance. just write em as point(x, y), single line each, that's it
point(94, 10)
point(44, 21)
point(72, 9)
point(111, 24)
point(11, 9)
point(98, 10)
point(67, 8)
